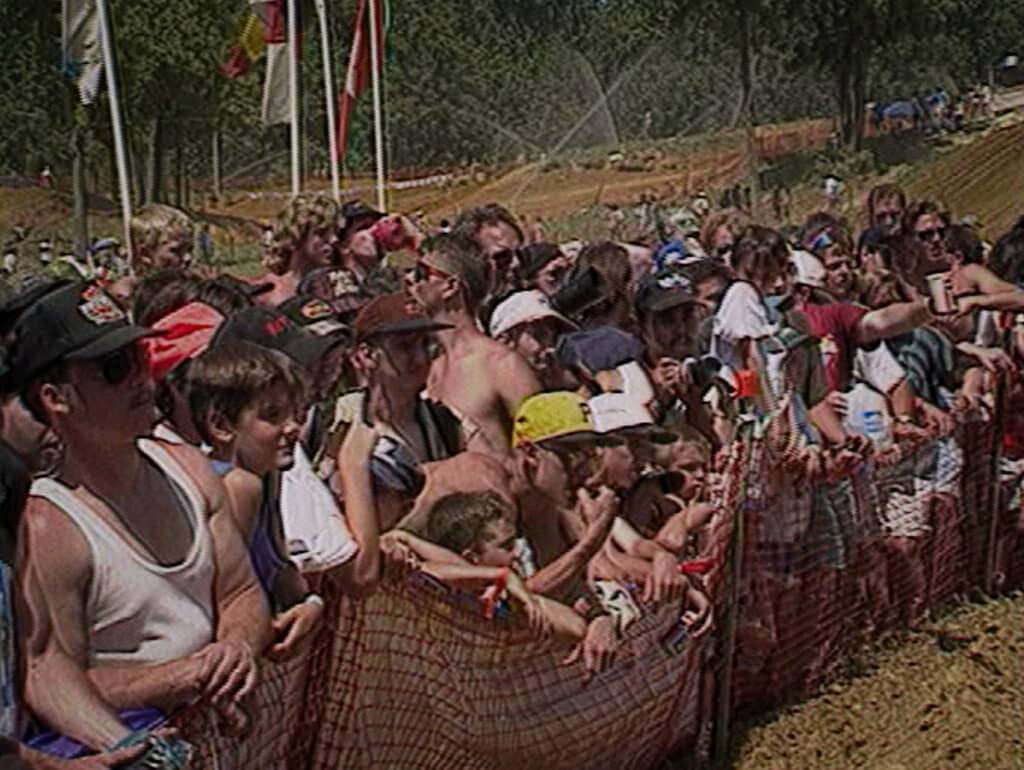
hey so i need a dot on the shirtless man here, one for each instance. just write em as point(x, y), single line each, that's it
point(151, 592)
point(480, 380)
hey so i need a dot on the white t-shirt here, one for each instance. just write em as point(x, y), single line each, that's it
point(878, 368)
point(315, 531)
point(742, 315)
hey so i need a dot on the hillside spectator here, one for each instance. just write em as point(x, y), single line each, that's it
point(305, 238)
point(162, 238)
point(886, 204)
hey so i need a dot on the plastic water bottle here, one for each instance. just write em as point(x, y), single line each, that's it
point(867, 413)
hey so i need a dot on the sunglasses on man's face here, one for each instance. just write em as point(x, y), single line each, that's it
point(931, 234)
point(422, 271)
point(118, 365)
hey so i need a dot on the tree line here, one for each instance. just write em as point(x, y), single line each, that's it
point(486, 81)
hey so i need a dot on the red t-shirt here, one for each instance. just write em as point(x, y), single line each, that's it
point(835, 324)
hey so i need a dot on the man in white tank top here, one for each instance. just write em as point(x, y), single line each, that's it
point(130, 550)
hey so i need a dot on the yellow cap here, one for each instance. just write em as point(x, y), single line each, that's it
point(551, 415)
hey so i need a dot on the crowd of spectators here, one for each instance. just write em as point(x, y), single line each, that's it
point(541, 425)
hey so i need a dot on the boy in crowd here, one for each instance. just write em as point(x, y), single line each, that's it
point(245, 401)
point(472, 539)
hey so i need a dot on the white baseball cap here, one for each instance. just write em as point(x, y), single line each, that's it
point(523, 307)
point(618, 413)
point(809, 269)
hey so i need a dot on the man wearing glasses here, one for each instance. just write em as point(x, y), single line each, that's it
point(150, 591)
point(480, 380)
point(495, 231)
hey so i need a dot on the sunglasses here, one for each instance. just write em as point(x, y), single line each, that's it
point(932, 233)
point(422, 271)
point(118, 365)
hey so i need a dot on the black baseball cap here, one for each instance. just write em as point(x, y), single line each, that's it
point(356, 213)
point(662, 292)
point(271, 328)
point(535, 256)
point(15, 299)
point(77, 321)
point(316, 316)
point(336, 286)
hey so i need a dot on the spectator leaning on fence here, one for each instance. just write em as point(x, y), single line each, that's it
point(172, 613)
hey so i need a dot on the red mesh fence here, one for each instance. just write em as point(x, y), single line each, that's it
point(414, 677)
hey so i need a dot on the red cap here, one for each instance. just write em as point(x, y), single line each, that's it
point(184, 334)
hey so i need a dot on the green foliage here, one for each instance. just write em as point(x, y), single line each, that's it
point(494, 80)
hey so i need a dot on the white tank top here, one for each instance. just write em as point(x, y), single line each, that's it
point(138, 611)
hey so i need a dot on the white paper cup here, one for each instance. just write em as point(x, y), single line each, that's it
point(943, 302)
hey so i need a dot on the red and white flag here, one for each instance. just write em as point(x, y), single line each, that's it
point(358, 78)
point(276, 106)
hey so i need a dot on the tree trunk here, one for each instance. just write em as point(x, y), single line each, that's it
point(744, 111)
point(179, 182)
point(859, 100)
point(154, 162)
point(80, 222)
point(216, 163)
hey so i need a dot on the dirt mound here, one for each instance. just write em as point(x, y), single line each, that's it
point(947, 697)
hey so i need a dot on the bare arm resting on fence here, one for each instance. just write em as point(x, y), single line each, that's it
point(546, 615)
point(243, 617)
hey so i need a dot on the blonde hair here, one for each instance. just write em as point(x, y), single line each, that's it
point(154, 223)
point(302, 215)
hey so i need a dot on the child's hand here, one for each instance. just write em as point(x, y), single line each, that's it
point(540, 622)
point(598, 647)
point(698, 617)
point(294, 624)
point(663, 583)
point(395, 545)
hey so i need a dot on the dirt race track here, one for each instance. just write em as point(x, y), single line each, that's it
point(947, 697)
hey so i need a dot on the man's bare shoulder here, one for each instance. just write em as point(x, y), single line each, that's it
point(43, 526)
point(197, 466)
point(468, 471)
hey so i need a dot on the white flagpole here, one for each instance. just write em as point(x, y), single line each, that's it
point(331, 93)
point(120, 152)
point(293, 91)
point(378, 130)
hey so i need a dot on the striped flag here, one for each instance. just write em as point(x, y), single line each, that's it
point(358, 78)
point(82, 57)
point(276, 96)
point(247, 50)
point(264, 34)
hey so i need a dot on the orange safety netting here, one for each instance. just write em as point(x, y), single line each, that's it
point(415, 677)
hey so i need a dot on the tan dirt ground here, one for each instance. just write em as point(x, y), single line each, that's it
point(947, 697)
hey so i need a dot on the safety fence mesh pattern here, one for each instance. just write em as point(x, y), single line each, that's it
point(805, 573)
